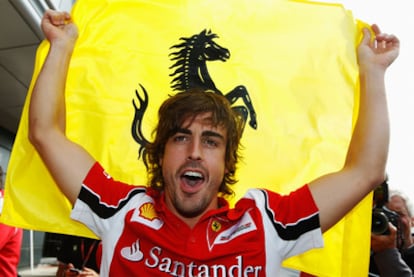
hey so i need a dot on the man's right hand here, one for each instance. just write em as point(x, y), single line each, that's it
point(67, 161)
point(58, 26)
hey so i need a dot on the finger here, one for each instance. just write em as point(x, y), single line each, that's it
point(375, 29)
point(70, 265)
point(393, 229)
point(391, 40)
point(383, 36)
point(366, 36)
point(379, 37)
point(61, 18)
point(57, 17)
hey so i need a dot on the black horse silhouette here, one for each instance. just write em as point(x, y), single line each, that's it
point(190, 70)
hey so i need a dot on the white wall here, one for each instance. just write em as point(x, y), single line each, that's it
point(395, 17)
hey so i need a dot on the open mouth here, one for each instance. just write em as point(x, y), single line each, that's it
point(192, 178)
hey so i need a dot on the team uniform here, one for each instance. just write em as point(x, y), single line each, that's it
point(141, 237)
point(10, 246)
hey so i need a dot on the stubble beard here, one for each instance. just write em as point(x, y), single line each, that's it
point(190, 208)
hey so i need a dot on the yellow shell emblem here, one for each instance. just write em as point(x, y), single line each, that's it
point(147, 211)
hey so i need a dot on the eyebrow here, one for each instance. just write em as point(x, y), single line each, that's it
point(207, 133)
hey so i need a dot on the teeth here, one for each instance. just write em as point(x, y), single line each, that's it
point(193, 174)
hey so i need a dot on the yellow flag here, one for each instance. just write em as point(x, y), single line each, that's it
point(290, 66)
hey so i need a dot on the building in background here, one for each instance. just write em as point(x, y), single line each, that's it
point(21, 34)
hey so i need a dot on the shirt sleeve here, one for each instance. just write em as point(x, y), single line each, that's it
point(390, 264)
point(103, 200)
point(291, 222)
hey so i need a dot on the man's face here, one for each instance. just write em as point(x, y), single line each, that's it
point(193, 167)
point(397, 204)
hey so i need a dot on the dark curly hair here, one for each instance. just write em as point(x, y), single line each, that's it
point(174, 112)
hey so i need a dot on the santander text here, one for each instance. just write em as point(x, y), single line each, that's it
point(180, 269)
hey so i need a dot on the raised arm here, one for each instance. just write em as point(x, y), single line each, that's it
point(67, 162)
point(364, 169)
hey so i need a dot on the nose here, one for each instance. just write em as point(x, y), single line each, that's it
point(195, 150)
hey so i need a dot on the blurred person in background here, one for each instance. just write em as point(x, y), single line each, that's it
point(78, 256)
point(392, 253)
point(10, 242)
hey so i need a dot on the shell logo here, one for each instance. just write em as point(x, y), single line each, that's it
point(147, 211)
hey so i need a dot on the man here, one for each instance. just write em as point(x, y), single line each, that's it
point(400, 203)
point(386, 260)
point(180, 226)
point(393, 254)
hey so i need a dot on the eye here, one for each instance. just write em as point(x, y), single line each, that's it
point(210, 142)
point(180, 138)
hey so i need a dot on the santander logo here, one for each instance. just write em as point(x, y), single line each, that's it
point(157, 260)
point(133, 252)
